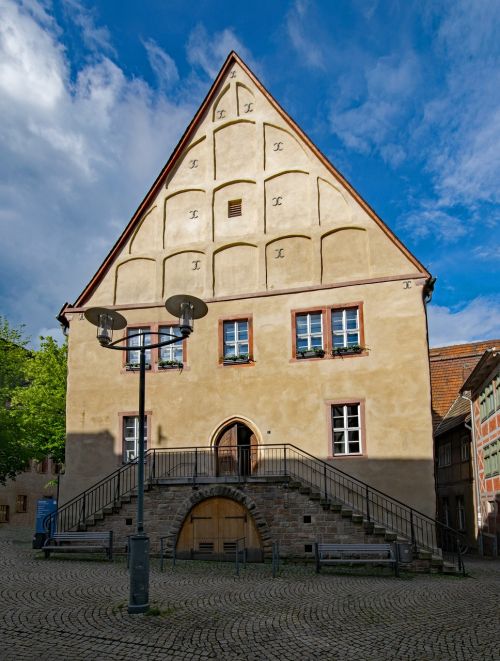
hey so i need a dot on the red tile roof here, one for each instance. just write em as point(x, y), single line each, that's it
point(450, 367)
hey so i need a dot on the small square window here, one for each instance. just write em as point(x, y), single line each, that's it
point(4, 514)
point(308, 548)
point(234, 208)
point(307, 518)
point(128, 521)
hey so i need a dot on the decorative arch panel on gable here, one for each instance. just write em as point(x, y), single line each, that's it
point(236, 270)
point(245, 100)
point(282, 150)
point(235, 150)
point(288, 202)
point(147, 237)
point(332, 205)
point(187, 218)
point(135, 281)
point(235, 210)
point(184, 272)
point(289, 262)
point(344, 255)
point(191, 167)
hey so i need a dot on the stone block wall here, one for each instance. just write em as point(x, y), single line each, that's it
point(281, 515)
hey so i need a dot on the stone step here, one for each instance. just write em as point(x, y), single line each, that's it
point(315, 495)
point(378, 530)
point(109, 509)
point(335, 506)
point(424, 555)
point(390, 537)
point(305, 490)
point(294, 485)
point(357, 518)
point(345, 513)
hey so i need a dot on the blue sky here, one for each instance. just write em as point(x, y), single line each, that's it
point(402, 96)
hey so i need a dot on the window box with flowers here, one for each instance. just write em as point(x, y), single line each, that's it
point(135, 367)
point(343, 351)
point(311, 353)
point(170, 364)
point(236, 359)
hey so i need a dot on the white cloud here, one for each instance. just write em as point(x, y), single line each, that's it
point(95, 38)
point(479, 319)
point(76, 158)
point(430, 221)
point(368, 116)
point(162, 64)
point(308, 49)
point(209, 52)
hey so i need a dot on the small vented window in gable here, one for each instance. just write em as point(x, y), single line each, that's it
point(233, 208)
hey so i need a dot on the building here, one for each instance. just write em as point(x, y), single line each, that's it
point(315, 337)
point(18, 498)
point(454, 454)
point(483, 388)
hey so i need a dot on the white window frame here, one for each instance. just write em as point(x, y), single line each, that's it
point(237, 342)
point(133, 344)
point(347, 430)
point(130, 455)
point(171, 352)
point(345, 331)
point(465, 450)
point(308, 335)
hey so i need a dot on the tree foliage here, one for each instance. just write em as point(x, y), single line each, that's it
point(13, 358)
point(33, 400)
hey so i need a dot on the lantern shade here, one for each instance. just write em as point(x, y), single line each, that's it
point(106, 321)
point(186, 308)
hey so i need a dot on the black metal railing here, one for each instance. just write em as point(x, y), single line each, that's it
point(201, 464)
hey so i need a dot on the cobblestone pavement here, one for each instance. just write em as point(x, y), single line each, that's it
point(72, 609)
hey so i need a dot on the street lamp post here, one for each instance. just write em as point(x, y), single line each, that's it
point(186, 308)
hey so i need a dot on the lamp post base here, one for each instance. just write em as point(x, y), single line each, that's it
point(139, 574)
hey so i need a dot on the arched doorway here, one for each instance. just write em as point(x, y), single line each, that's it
point(215, 527)
point(236, 450)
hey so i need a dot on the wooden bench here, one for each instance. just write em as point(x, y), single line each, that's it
point(78, 542)
point(336, 554)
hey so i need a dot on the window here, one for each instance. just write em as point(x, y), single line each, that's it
point(21, 504)
point(309, 332)
point(346, 429)
point(444, 457)
point(134, 341)
point(345, 328)
point(236, 340)
point(491, 455)
point(4, 514)
point(173, 354)
point(497, 392)
point(234, 208)
point(465, 449)
point(460, 512)
point(487, 401)
point(131, 437)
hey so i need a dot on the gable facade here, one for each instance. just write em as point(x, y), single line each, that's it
point(303, 281)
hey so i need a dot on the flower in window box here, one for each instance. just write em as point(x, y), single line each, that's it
point(342, 351)
point(132, 367)
point(311, 353)
point(170, 364)
point(238, 358)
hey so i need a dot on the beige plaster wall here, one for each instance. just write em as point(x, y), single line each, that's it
point(299, 230)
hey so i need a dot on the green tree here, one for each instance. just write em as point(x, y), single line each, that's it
point(14, 357)
point(40, 406)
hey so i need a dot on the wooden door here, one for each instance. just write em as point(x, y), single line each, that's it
point(213, 528)
point(227, 452)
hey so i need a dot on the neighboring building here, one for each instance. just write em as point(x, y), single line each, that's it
point(454, 454)
point(316, 332)
point(483, 387)
point(18, 498)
